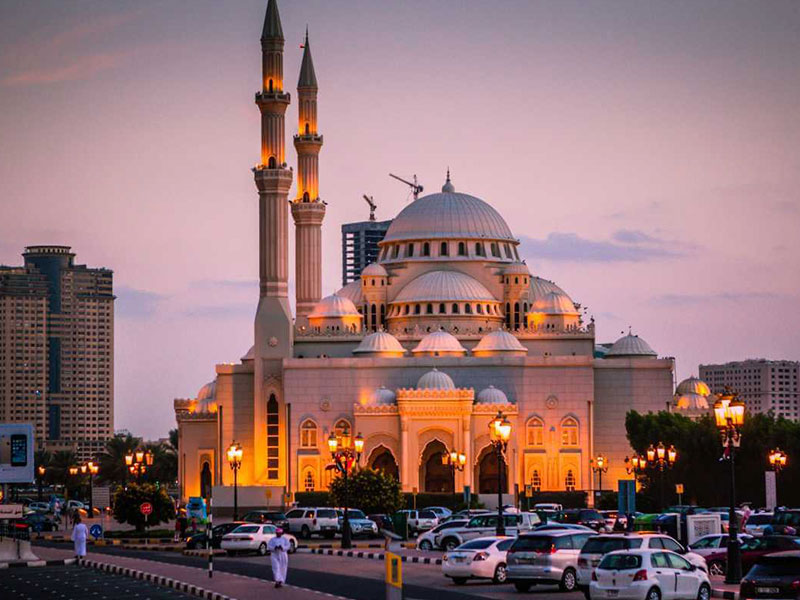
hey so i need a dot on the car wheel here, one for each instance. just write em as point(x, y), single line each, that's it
point(522, 586)
point(450, 544)
point(716, 567)
point(704, 593)
point(459, 580)
point(262, 549)
point(500, 575)
point(425, 545)
point(305, 532)
point(653, 594)
point(568, 581)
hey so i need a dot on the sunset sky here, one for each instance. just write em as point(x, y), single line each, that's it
point(647, 154)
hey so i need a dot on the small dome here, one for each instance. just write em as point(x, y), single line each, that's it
point(541, 287)
point(383, 396)
point(435, 380)
point(517, 268)
point(439, 342)
point(691, 402)
point(554, 303)
point(444, 286)
point(207, 398)
point(334, 306)
point(693, 385)
point(491, 395)
point(499, 341)
point(380, 342)
point(374, 270)
point(630, 346)
point(448, 187)
point(352, 291)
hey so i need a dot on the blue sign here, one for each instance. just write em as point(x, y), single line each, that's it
point(626, 499)
point(96, 531)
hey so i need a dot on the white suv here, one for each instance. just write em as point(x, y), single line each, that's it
point(486, 525)
point(420, 520)
point(309, 521)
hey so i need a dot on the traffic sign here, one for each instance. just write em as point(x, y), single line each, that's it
point(96, 531)
point(146, 508)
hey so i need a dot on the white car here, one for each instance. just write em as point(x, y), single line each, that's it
point(648, 575)
point(309, 521)
point(757, 522)
point(253, 538)
point(482, 558)
point(420, 520)
point(431, 538)
point(711, 544)
point(441, 511)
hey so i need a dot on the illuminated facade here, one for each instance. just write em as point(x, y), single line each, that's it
point(447, 327)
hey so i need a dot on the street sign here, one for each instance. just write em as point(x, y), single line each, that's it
point(10, 511)
point(16, 453)
point(394, 577)
point(96, 531)
point(626, 499)
point(528, 490)
point(771, 489)
point(146, 508)
point(101, 496)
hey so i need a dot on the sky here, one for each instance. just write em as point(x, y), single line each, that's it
point(645, 153)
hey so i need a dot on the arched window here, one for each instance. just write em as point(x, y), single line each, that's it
point(308, 481)
point(508, 315)
point(508, 250)
point(468, 309)
point(373, 317)
point(417, 308)
point(341, 426)
point(426, 249)
point(442, 309)
point(495, 250)
point(273, 438)
point(410, 250)
point(308, 434)
point(269, 86)
point(536, 481)
point(272, 163)
point(569, 432)
point(516, 315)
point(383, 314)
point(569, 481)
point(455, 310)
point(535, 432)
point(480, 308)
point(462, 249)
point(429, 309)
point(479, 249)
point(516, 280)
point(395, 251)
point(308, 129)
point(306, 197)
point(405, 309)
point(443, 249)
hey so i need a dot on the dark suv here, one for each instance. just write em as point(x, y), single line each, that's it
point(584, 516)
point(268, 516)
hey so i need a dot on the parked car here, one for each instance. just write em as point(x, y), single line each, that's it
point(359, 524)
point(485, 525)
point(468, 513)
point(313, 521)
point(554, 526)
point(773, 576)
point(549, 506)
point(75, 505)
point(710, 544)
point(420, 520)
point(442, 512)
point(39, 522)
point(267, 516)
point(199, 540)
point(252, 538)
point(431, 538)
point(481, 558)
point(611, 517)
point(587, 517)
point(757, 522)
point(42, 507)
point(786, 521)
point(384, 522)
point(648, 575)
point(752, 550)
point(549, 557)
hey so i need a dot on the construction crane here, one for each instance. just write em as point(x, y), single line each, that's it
point(372, 207)
point(415, 187)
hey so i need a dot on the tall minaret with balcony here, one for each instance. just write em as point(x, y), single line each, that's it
point(308, 210)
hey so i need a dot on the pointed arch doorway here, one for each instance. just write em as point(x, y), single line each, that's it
point(434, 476)
point(486, 472)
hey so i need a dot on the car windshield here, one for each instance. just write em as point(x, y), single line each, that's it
point(620, 562)
point(427, 514)
point(246, 529)
point(535, 543)
point(776, 566)
point(590, 515)
point(759, 519)
point(354, 513)
point(448, 525)
point(274, 515)
point(604, 545)
point(476, 545)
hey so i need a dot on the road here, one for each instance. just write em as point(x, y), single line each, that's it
point(354, 578)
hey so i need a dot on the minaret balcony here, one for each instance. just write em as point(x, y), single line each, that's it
point(309, 137)
point(267, 97)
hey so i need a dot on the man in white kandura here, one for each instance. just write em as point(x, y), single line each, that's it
point(79, 535)
point(279, 556)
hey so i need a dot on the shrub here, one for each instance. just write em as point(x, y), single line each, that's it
point(128, 501)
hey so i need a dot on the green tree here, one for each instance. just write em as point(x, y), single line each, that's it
point(127, 502)
point(370, 490)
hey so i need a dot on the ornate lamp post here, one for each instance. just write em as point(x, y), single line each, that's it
point(235, 461)
point(777, 460)
point(662, 458)
point(635, 465)
point(345, 452)
point(92, 469)
point(500, 433)
point(456, 461)
point(729, 415)
point(138, 462)
point(599, 466)
point(40, 471)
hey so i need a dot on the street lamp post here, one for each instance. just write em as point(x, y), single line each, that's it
point(500, 433)
point(729, 415)
point(138, 462)
point(456, 461)
point(599, 466)
point(40, 471)
point(345, 452)
point(777, 460)
point(235, 461)
point(662, 458)
point(92, 469)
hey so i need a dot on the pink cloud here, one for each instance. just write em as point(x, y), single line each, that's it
point(82, 67)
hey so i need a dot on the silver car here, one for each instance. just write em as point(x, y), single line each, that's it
point(486, 525)
point(548, 557)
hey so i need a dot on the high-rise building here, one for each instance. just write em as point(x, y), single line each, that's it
point(763, 384)
point(360, 247)
point(57, 350)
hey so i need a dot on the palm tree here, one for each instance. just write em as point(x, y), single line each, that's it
point(112, 460)
point(58, 472)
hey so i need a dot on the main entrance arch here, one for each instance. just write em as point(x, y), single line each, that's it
point(486, 472)
point(383, 460)
point(433, 475)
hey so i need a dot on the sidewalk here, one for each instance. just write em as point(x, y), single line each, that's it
point(235, 587)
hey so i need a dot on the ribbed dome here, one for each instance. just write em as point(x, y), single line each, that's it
point(499, 341)
point(207, 398)
point(491, 395)
point(693, 385)
point(353, 292)
point(517, 269)
point(541, 287)
point(334, 306)
point(380, 342)
point(630, 345)
point(435, 380)
point(439, 341)
point(554, 303)
point(691, 402)
point(442, 286)
point(448, 215)
point(374, 270)
point(383, 396)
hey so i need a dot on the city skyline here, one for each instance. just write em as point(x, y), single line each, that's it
point(685, 176)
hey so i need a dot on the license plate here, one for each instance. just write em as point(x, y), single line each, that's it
point(767, 590)
point(612, 593)
point(459, 559)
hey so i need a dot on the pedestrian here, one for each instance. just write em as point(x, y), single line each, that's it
point(79, 535)
point(178, 535)
point(279, 557)
point(184, 524)
point(194, 525)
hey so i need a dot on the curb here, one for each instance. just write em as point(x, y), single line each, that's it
point(725, 594)
point(204, 553)
point(156, 579)
point(377, 556)
point(38, 563)
point(331, 546)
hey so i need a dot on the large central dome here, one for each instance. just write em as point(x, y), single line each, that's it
point(448, 215)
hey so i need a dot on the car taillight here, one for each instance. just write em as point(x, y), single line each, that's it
point(640, 575)
point(480, 556)
point(594, 575)
point(795, 585)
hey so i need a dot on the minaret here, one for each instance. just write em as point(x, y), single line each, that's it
point(273, 323)
point(308, 210)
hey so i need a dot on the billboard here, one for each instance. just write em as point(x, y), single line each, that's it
point(16, 453)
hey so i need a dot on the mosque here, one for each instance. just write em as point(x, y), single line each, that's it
point(447, 328)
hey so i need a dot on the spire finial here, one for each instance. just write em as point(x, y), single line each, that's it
point(308, 78)
point(272, 23)
point(448, 187)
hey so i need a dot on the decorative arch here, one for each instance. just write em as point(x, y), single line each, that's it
point(570, 431)
point(309, 433)
point(534, 431)
point(382, 459)
point(426, 436)
point(486, 472)
point(433, 475)
point(341, 425)
point(206, 476)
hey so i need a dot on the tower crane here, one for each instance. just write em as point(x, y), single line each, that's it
point(415, 187)
point(372, 207)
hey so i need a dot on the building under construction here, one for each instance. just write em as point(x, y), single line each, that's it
point(360, 246)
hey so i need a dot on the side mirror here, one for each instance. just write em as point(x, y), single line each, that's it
point(692, 567)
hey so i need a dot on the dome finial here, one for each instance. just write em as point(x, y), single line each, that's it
point(448, 187)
